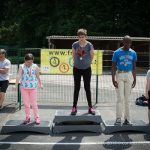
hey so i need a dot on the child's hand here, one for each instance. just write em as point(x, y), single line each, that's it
point(40, 86)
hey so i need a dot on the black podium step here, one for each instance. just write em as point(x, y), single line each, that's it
point(18, 126)
point(82, 121)
point(108, 127)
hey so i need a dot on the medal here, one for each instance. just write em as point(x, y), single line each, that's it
point(81, 53)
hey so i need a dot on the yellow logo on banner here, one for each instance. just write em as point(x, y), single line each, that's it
point(59, 61)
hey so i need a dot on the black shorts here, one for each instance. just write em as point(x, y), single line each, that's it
point(4, 85)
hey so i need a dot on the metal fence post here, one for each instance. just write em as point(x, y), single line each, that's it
point(19, 97)
point(96, 88)
point(97, 67)
point(18, 61)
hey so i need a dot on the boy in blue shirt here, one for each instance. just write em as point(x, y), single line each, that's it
point(124, 78)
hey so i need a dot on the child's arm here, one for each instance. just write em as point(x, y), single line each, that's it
point(73, 54)
point(18, 77)
point(147, 88)
point(4, 70)
point(92, 54)
point(38, 77)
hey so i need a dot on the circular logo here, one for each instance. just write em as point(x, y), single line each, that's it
point(64, 68)
point(71, 61)
point(54, 61)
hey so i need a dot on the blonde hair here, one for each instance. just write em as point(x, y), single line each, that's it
point(82, 32)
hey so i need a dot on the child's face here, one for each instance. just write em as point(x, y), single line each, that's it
point(28, 62)
point(2, 55)
point(82, 38)
point(127, 44)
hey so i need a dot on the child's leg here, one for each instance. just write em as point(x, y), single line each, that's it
point(33, 99)
point(26, 101)
point(87, 85)
point(77, 82)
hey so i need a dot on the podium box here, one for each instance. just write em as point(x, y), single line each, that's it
point(18, 126)
point(82, 121)
point(108, 127)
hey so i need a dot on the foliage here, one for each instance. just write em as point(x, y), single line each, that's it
point(26, 23)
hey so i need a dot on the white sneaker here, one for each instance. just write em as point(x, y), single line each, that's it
point(118, 121)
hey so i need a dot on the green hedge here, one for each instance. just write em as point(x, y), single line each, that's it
point(14, 60)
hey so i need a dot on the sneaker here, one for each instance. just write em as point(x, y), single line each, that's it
point(126, 122)
point(26, 121)
point(118, 122)
point(37, 121)
point(91, 110)
point(73, 111)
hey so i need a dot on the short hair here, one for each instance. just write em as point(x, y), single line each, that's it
point(82, 32)
point(29, 56)
point(127, 38)
point(2, 51)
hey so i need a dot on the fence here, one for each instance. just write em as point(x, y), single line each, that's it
point(59, 88)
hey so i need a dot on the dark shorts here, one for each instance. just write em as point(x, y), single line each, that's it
point(4, 86)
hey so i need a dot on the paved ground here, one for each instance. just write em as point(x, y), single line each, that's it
point(73, 141)
point(56, 96)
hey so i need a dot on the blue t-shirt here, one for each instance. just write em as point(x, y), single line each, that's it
point(82, 58)
point(124, 59)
